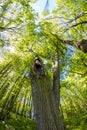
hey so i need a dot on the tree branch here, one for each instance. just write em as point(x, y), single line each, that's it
point(70, 20)
point(56, 77)
point(10, 28)
point(82, 45)
point(77, 17)
point(76, 24)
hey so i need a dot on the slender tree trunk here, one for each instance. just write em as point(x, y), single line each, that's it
point(46, 108)
point(5, 70)
point(3, 91)
point(24, 103)
point(8, 104)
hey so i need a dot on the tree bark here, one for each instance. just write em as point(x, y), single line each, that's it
point(47, 112)
point(81, 45)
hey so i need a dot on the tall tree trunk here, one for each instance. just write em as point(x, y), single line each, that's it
point(46, 108)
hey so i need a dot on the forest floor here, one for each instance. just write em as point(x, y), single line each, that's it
point(16, 122)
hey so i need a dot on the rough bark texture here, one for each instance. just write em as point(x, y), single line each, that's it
point(46, 108)
point(81, 45)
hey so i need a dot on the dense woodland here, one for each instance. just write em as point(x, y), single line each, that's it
point(43, 66)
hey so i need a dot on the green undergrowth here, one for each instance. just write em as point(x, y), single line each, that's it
point(16, 122)
point(77, 123)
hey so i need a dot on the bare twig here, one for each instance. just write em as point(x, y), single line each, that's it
point(10, 28)
point(80, 23)
point(70, 20)
point(77, 17)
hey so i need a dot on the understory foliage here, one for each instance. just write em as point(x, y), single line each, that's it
point(23, 35)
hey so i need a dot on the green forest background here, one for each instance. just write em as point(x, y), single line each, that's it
point(23, 30)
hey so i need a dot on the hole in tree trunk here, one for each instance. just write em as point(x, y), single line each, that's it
point(38, 66)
